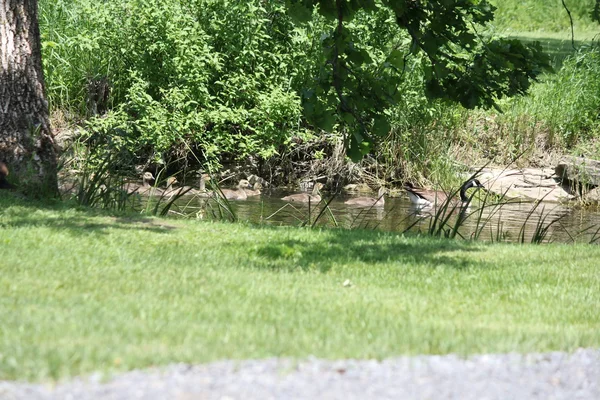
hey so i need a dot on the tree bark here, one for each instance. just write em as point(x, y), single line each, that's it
point(26, 141)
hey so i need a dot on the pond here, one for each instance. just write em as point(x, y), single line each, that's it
point(511, 222)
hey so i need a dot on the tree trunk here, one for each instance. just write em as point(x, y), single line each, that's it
point(26, 142)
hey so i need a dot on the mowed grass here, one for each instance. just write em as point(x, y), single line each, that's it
point(82, 292)
point(558, 45)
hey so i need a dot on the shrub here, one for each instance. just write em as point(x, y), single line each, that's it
point(214, 74)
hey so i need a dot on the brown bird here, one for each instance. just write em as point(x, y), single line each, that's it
point(144, 187)
point(368, 201)
point(239, 193)
point(169, 191)
point(255, 191)
point(428, 198)
point(4, 184)
point(191, 191)
point(202, 191)
point(313, 197)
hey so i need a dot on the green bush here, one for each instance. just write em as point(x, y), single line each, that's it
point(226, 78)
point(216, 75)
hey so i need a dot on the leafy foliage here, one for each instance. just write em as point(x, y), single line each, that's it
point(355, 87)
point(596, 12)
point(224, 79)
point(215, 76)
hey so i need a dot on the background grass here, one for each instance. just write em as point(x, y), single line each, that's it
point(84, 292)
point(544, 16)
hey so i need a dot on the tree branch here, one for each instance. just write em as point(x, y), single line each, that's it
point(570, 19)
point(336, 72)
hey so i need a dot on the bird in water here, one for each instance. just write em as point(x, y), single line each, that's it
point(192, 191)
point(4, 184)
point(202, 191)
point(423, 198)
point(239, 193)
point(143, 188)
point(169, 191)
point(312, 197)
point(255, 191)
point(368, 201)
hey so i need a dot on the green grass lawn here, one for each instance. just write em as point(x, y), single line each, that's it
point(558, 46)
point(82, 291)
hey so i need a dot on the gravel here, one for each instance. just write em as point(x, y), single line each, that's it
point(505, 376)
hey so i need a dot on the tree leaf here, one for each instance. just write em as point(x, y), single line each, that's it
point(299, 11)
point(381, 126)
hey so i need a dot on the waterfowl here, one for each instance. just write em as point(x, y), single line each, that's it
point(4, 184)
point(239, 193)
point(202, 182)
point(144, 187)
point(255, 191)
point(313, 197)
point(428, 198)
point(169, 190)
point(200, 192)
point(369, 201)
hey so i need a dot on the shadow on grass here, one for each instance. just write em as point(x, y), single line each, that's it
point(264, 247)
point(70, 218)
point(340, 246)
point(557, 49)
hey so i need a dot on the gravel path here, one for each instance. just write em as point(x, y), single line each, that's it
point(508, 376)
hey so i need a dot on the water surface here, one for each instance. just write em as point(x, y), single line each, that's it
point(516, 222)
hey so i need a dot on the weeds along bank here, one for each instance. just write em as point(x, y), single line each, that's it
point(212, 83)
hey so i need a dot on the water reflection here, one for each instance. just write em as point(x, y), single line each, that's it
point(514, 222)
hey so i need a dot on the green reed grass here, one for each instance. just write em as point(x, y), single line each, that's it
point(453, 220)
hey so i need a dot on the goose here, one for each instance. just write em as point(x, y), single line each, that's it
point(428, 198)
point(4, 184)
point(202, 182)
point(369, 201)
point(313, 197)
point(169, 191)
point(239, 193)
point(255, 191)
point(144, 187)
point(200, 192)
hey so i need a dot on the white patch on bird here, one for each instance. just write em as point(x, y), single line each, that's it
point(419, 201)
